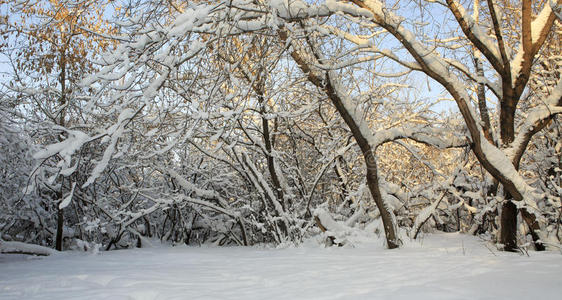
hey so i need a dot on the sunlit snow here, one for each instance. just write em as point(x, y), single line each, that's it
point(438, 266)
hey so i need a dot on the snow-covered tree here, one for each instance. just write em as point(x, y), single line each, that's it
point(509, 56)
point(48, 44)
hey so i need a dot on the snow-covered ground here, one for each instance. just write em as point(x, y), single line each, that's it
point(440, 266)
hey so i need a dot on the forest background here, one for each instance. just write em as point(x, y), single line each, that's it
point(248, 122)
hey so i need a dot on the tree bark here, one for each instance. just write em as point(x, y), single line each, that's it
point(483, 108)
point(508, 227)
point(60, 224)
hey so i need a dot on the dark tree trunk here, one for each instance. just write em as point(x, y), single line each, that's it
point(508, 228)
point(60, 224)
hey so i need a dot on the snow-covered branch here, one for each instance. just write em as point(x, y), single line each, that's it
point(439, 138)
point(24, 248)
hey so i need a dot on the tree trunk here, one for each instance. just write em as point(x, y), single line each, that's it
point(61, 122)
point(482, 107)
point(508, 228)
point(270, 159)
point(324, 82)
point(60, 224)
point(370, 164)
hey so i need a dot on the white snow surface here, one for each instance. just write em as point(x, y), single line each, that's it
point(438, 266)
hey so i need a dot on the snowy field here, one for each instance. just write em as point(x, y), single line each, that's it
point(440, 266)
